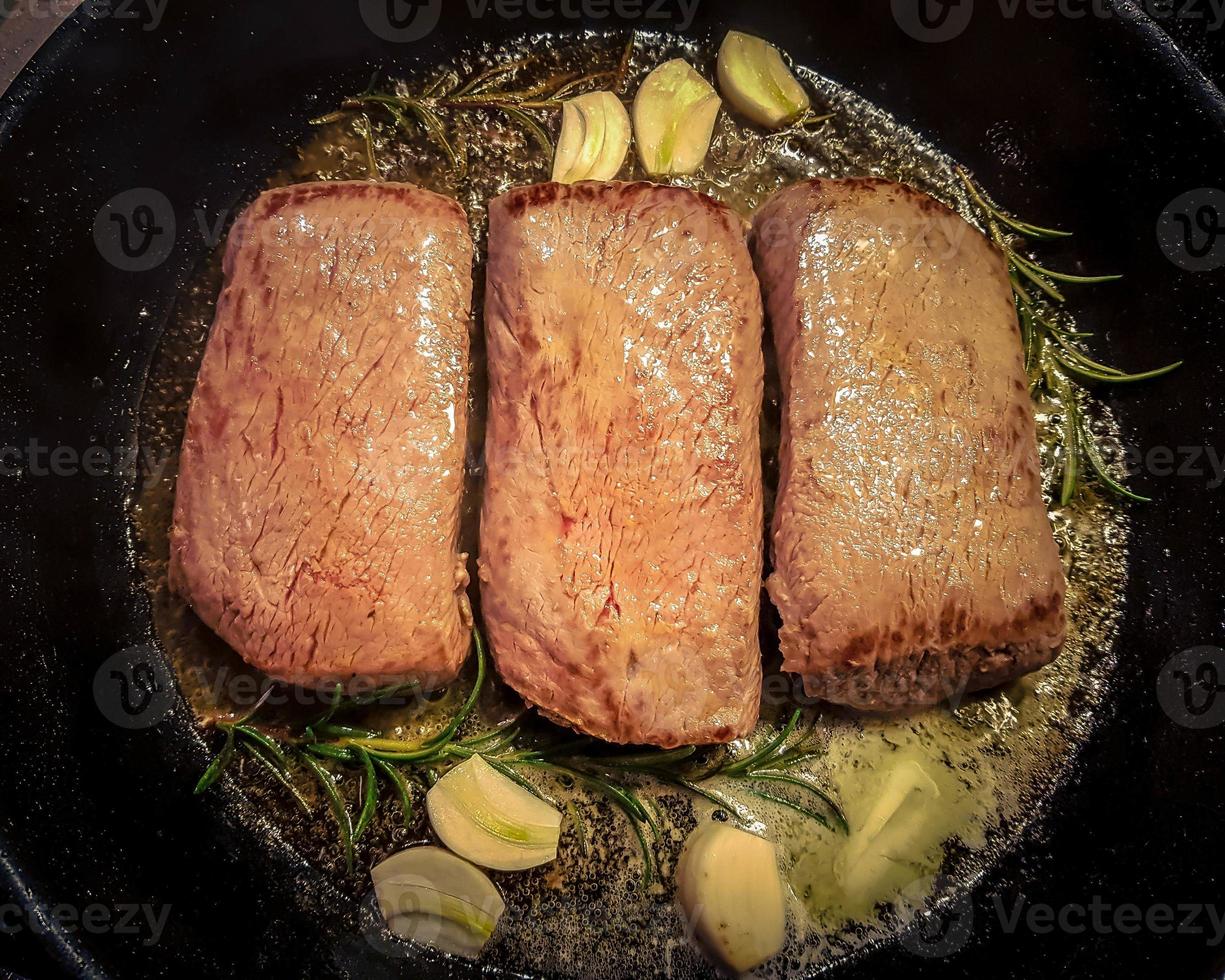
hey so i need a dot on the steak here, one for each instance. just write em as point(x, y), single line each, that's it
point(317, 509)
point(913, 557)
point(621, 533)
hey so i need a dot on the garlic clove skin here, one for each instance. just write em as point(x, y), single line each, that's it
point(595, 138)
point(757, 82)
point(432, 897)
point(732, 894)
point(674, 117)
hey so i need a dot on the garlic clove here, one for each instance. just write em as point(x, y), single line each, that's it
point(429, 896)
point(757, 82)
point(595, 137)
point(593, 133)
point(571, 141)
point(674, 116)
point(617, 135)
point(491, 820)
point(729, 886)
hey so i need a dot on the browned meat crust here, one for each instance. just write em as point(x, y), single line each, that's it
point(317, 508)
point(621, 533)
point(913, 556)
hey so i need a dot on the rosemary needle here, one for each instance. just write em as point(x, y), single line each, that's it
point(370, 790)
point(765, 751)
point(337, 805)
point(277, 773)
point(218, 765)
point(400, 784)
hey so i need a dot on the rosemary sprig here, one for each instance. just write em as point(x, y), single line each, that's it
point(277, 770)
point(400, 785)
point(347, 745)
point(1054, 358)
point(327, 744)
point(370, 794)
point(805, 125)
point(766, 752)
point(776, 762)
point(619, 793)
point(686, 769)
point(219, 763)
point(337, 805)
point(493, 89)
point(580, 827)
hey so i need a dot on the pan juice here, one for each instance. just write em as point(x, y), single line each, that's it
point(982, 768)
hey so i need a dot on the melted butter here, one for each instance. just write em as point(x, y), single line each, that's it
point(995, 759)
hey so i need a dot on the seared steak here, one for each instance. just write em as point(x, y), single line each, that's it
point(317, 509)
point(621, 534)
point(913, 558)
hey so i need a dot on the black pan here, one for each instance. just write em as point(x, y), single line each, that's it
point(1095, 121)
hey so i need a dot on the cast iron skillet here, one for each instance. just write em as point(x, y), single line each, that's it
point(1096, 123)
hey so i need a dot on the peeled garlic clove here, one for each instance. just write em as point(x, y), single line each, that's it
point(674, 115)
point(895, 822)
point(757, 82)
point(595, 136)
point(491, 820)
point(589, 138)
point(617, 135)
point(572, 139)
point(729, 886)
point(429, 896)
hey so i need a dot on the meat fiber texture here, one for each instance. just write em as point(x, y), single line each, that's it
point(621, 533)
point(318, 499)
point(913, 557)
